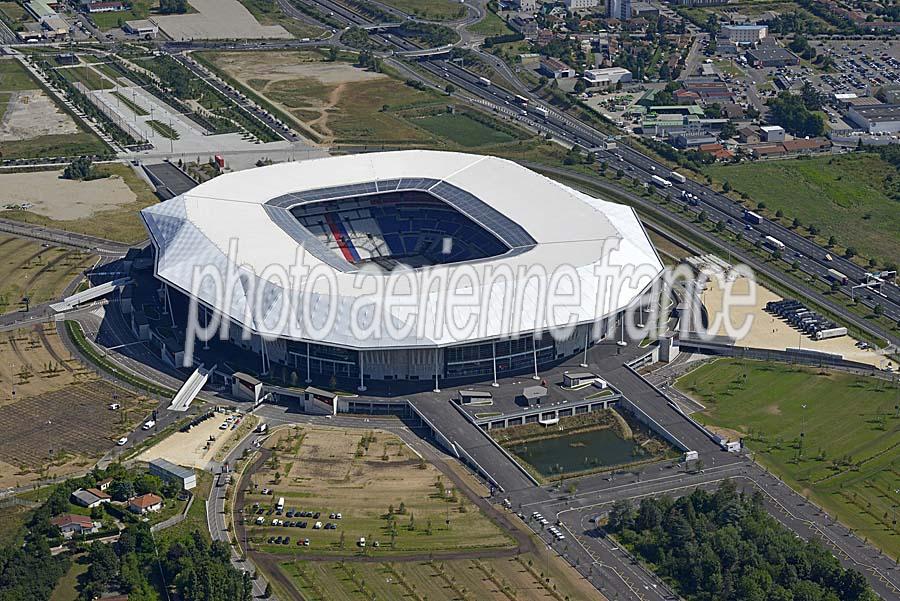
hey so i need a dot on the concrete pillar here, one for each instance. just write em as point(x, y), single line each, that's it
point(362, 383)
point(308, 373)
point(534, 354)
point(494, 357)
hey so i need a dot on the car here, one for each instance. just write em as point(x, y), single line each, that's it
point(278, 540)
point(317, 526)
point(265, 491)
point(122, 441)
point(316, 516)
point(305, 542)
point(303, 524)
point(290, 513)
point(286, 541)
point(224, 426)
point(148, 424)
point(115, 406)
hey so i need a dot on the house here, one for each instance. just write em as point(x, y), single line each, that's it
point(804, 146)
point(768, 150)
point(173, 472)
point(145, 503)
point(555, 68)
point(90, 497)
point(104, 484)
point(749, 135)
point(70, 523)
point(686, 97)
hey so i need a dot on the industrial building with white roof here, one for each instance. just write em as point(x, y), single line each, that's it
point(389, 243)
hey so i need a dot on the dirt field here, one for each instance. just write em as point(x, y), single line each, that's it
point(770, 332)
point(298, 83)
point(218, 19)
point(194, 448)
point(34, 362)
point(44, 189)
point(363, 475)
point(39, 272)
point(31, 114)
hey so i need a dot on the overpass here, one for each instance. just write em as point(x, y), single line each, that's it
point(85, 296)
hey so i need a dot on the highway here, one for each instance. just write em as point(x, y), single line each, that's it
point(813, 259)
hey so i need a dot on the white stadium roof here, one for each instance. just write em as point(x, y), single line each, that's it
point(238, 222)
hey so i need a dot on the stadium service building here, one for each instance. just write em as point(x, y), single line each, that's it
point(457, 221)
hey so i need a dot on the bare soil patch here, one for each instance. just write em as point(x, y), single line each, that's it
point(61, 199)
point(31, 114)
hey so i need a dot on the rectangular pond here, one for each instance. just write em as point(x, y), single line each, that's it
point(572, 453)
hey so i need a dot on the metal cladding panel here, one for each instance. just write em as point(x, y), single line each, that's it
point(193, 233)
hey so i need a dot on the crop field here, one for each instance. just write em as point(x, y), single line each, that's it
point(384, 491)
point(848, 457)
point(339, 103)
point(490, 25)
point(112, 219)
point(844, 196)
point(513, 579)
point(28, 268)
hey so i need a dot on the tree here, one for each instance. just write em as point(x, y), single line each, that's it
point(168, 7)
point(450, 88)
point(79, 169)
point(726, 187)
point(850, 252)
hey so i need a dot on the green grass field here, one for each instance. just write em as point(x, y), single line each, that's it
point(490, 25)
point(14, 77)
point(849, 462)
point(87, 76)
point(845, 196)
point(138, 110)
point(436, 10)
point(462, 129)
point(163, 129)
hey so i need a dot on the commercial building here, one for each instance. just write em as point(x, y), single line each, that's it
point(555, 68)
point(770, 55)
point(460, 223)
point(176, 473)
point(876, 119)
point(772, 133)
point(604, 78)
point(744, 34)
point(142, 28)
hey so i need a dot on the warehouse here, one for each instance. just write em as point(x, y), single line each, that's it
point(772, 56)
point(876, 119)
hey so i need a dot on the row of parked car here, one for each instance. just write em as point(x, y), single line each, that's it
point(286, 540)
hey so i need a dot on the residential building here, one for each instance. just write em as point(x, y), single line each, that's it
point(804, 146)
point(529, 6)
point(744, 34)
point(176, 473)
point(145, 503)
point(772, 133)
point(607, 77)
point(644, 9)
point(70, 523)
point(90, 497)
point(573, 5)
point(702, 2)
point(876, 119)
point(555, 68)
point(618, 9)
point(750, 135)
point(105, 7)
point(104, 484)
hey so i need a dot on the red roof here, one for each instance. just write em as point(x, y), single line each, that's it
point(710, 147)
point(71, 518)
point(145, 501)
point(98, 493)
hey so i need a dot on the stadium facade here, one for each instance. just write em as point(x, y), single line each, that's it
point(384, 240)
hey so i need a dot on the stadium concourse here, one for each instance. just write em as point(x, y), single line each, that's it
point(369, 230)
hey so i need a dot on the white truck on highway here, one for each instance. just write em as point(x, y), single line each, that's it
point(543, 112)
point(678, 177)
point(773, 243)
point(660, 181)
point(484, 81)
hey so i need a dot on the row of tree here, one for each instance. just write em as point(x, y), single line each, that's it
point(724, 546)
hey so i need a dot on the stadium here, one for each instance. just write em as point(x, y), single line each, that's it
point(389, 243)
